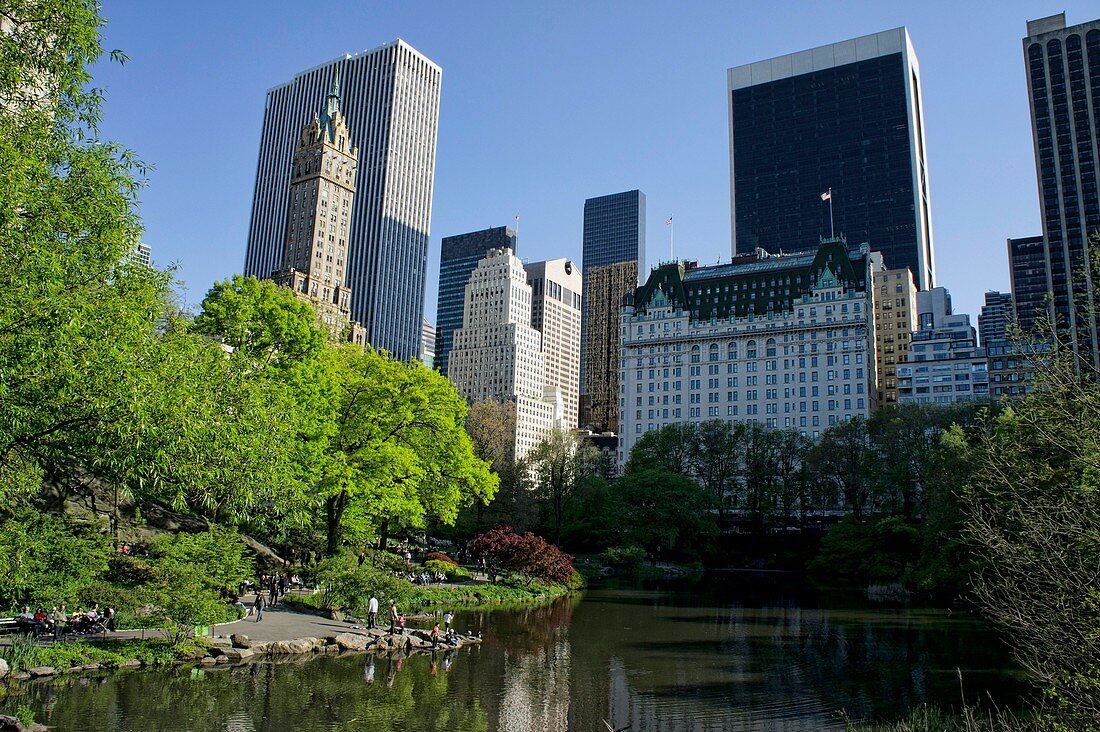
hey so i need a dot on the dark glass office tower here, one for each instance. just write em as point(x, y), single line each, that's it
point(612, 261)
point(844, 118)
point(1027, 265)
point(997, 318)
point(1063, 84)
point(458, 258)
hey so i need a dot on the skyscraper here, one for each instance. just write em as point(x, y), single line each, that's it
point(1063, 84)
point(556, 314)
point(895, 320)
point(612, 260)
point(458, 258)
point(944, 364)
point(997, 318)
point(427, 344)
point(497, 354)
point(391, 98)
point(843, 119)
point(322, 195)
point(1028, 270)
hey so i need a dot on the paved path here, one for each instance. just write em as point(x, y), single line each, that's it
point(282, 623)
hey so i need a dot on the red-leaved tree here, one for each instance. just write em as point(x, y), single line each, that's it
point(439, 557)
point(525, 554)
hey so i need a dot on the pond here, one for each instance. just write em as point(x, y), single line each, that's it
point(735, 652)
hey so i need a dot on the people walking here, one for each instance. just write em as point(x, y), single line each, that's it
point(258, 605)
point(372, 611)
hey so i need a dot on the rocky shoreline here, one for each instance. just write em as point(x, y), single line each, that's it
point(239, 649)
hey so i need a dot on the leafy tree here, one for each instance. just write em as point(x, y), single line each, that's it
point(560, 461)
point(47, 560)
point(715, 459)
point(400, 449)
point(668, 449)
point(840, 463)
point(661, 511)
point(491, 426)
point(524, 554)
point(1032, 511)
point(218, 556)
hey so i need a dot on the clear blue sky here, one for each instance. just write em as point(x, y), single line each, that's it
point(546, 104)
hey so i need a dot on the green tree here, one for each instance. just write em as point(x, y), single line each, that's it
point(560, 461)
point(47, 560)
point(840, 465)
point(664, 512)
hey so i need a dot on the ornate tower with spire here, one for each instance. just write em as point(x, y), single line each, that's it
point(322, 188)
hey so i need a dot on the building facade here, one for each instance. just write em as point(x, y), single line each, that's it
point(895, 321)
point(497, 353)
point(427, 344)
point(143, 254)
point(458, 258)
point(556, 314)
point(844, 118)
point(997, 320)
point(391, 98)
point(612, 260)
point(1063, 84)
point(1028, 271)
point(322, 193)
point(945, 364)
point(783, 340)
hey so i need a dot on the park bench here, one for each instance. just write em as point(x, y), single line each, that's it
point(9, 626)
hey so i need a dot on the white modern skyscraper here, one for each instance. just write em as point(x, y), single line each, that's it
point(556, 314)
point(390, 96)
point(497, 354)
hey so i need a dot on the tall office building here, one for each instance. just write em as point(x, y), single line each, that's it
point(1028, 269)
point(1063, 84)
point(945, 364)
point(427, 344)
point(143, 254)
point(844, 118)
point(497, 353)
point(895, 321)
point(997, 318)
point(612, 261)
point(556, 314)
point(322, 195)
point(458, 258)
point(391, 98)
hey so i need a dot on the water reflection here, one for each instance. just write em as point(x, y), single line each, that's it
point(731, 656)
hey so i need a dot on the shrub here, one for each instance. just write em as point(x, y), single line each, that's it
point(624, 557)
point(348, 585)
point(438, 557)
point(453, 571)
point(525, 554)
point(47, 560)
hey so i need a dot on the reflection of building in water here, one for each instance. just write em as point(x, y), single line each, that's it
point(536, 690)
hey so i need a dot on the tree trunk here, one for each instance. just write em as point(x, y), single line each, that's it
point(334, 515)
point(383, 535)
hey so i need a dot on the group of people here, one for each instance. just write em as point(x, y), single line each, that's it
point(58, 621)
point(276, 586)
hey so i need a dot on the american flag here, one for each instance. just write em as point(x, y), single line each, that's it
point(827, 195)
point(669, 221)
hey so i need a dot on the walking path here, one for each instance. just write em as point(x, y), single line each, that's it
point(282, 623)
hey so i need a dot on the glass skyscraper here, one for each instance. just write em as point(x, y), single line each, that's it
point(612, 261)
point(844, 119)
point(390, 96)
point(457, 260)
point(1063, 84)
point(1028, 270)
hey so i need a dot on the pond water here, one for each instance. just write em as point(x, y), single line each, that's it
point(736, 652)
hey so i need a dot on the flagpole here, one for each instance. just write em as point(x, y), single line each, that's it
point(832, 229)
point(671, 236)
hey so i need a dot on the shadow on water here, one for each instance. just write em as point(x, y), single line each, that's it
point(754, 654)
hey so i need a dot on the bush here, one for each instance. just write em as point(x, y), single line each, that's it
point(525, 554)
point(623, 557)
point(454, 572)
point(348, 585)
point(47, 560)
point(438, 557)
point(877, 551)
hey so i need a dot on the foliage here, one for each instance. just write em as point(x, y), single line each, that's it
point(24, 653)
point(560, 461)
point(217, 556)
point(664, 513)
point(623, 557)
point(970, 719)
point(525, 554)
point(438, 557)
point(1032, 512)
point(454, 572)
point(47, 560)
point(873, 550)
point(348, 585)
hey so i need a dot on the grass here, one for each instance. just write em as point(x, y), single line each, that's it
point(25, 654)
point(931, 719)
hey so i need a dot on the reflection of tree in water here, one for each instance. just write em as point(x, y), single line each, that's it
point(322, 693)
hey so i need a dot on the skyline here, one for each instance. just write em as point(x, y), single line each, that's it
point(542, 110)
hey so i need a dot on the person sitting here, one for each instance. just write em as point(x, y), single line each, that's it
point(25, 620)
point(78, 621)
point(93, 615)
point(41, 622)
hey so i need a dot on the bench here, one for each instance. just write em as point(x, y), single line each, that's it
point(9, 626)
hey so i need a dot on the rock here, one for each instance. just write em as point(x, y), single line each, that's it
point(239, 640)
point(38, 671)
point(19, 676)
point(330, 648)
point(132, 663)
point(335, 615)
point(351, 642)
point(3, 668)
point(221, 659)
point(292, 647)
point(238, 654)
point(208, 661)
point(90, 667)
point(260, 647)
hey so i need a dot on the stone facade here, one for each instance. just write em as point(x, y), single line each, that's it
point(556, 314)
point(895, 321)
point(604, 293)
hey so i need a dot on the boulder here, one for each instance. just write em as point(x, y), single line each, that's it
point(260, 647)
point(238, 654)
point(208, 661)
point(39, 671)
point(19, 675)
point(3, 668)
point(291, 647)
point(90, 667)
point(331, 648)
point(351, 642)
point(132, 663)
point(336, 615)
point(239, 640)
point(221, 659)
point(11, 724)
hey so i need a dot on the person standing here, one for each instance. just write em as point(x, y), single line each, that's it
point(393, 616)
point(448, 617)
point(258, 605)
point(372, 611)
